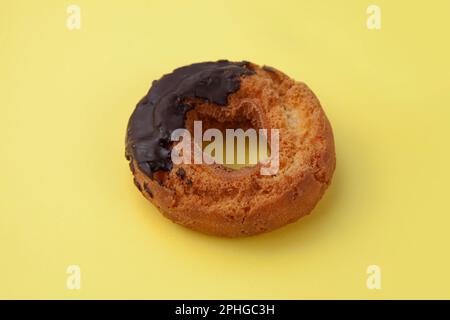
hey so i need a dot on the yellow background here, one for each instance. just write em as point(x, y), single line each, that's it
point(67, 195)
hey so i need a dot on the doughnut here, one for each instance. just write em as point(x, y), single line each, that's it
point(211, 197)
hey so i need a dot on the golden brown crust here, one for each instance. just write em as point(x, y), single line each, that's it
point(217, 200)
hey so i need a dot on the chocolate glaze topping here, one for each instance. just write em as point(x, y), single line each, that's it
point(164, 108)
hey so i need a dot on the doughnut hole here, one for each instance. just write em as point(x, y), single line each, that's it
point(246, 149)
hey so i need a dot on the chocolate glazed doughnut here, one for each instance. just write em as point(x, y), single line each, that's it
point(215, 199)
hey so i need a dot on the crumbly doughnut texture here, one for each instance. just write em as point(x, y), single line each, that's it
point(221, 201)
